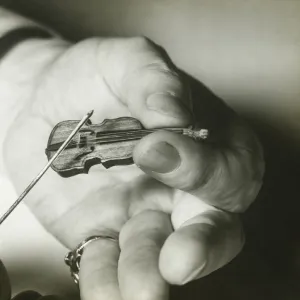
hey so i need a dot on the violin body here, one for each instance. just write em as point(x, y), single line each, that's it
point(83, 152)
point(109, 143)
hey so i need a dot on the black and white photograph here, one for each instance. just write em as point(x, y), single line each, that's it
point(149, 149)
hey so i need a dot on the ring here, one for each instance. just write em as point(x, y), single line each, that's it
point(72, 259)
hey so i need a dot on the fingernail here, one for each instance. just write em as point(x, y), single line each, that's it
point(160, 158)
point(194, 274)
point(167, 104)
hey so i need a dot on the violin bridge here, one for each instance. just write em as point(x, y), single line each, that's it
point(86, 130)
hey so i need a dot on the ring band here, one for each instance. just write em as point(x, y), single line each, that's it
point(72, 259)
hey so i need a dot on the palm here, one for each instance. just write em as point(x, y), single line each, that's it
point(85, 203)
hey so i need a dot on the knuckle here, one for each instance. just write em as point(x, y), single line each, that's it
point(141, 43)
point(164, 70)
point(83, 47)
point(145, 223)
point(150, 63)
point(152, 56)
point(157, 217)
point(159, 72)
point(239, 179)
point(152, 219)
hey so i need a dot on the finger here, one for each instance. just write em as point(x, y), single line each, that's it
point(201, 245)
point(5, 289)
point(141, 240)
point(148, 84)
point(225, 179)
point(98, 271)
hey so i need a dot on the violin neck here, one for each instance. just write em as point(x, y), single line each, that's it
point(122, 136)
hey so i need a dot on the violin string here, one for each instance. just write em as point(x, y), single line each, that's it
point(102, 140)
point(125, 131)
point(126, 134)
point(54, 146)
point(115, 136)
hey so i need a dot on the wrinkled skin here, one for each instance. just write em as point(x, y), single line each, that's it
point(174, 213)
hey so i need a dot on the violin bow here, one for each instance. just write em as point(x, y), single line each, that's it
point(47, 166)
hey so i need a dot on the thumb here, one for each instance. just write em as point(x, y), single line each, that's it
point(226, 178)
point(175, 160)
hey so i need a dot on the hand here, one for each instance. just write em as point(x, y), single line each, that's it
point(173, 212)
point(5, 289)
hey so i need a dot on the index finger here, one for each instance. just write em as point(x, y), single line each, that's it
point(149, 84)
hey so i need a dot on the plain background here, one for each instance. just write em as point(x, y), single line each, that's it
point(246, 52)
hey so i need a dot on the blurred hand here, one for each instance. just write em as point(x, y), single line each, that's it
point(174, 210)
point(5, 290)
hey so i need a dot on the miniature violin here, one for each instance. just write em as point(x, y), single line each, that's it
point(109, 143)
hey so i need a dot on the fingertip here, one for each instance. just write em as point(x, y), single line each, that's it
point(183, 256)
point(160, 157)
point(173, 159)
point(201, 246)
